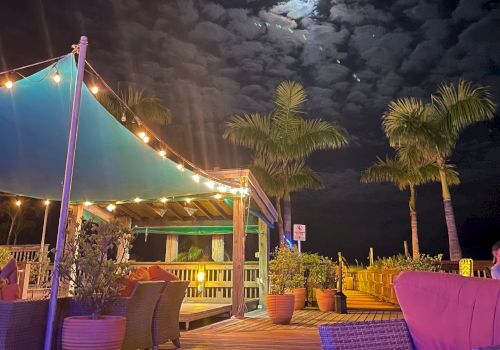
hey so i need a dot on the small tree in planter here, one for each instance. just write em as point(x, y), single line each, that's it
point(285, 274)
point(323, 277)
point(95, 271)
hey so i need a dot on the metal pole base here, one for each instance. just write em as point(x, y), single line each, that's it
point(340, 301)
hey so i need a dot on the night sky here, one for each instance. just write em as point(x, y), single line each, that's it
point(208, 60)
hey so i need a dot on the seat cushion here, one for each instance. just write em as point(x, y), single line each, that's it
point(10, 292)
point(156, 273)
point(129, 282)
point(449, 312)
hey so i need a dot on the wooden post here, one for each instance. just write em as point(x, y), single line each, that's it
point(238, 292)
point(405, 245)
point(24, 278)
point(218, 247)
point(171, 247)
point(263, 262)
point(123, 253)
point(370, 256)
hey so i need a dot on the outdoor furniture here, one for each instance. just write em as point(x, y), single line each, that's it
point(166, 315)
point(441, 311)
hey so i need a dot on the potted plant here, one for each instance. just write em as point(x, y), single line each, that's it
point(323, 278)
point(284, 277)
point(301, 293)
point(94, 270)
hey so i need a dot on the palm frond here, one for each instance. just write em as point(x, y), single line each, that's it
point(289, 99)
point(430, 173)
point(388, 170)
point(252, 131)
point(269, 175)
point(303, 177)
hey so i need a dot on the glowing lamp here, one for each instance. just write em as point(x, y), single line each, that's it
point(46, 202)
point(217, 196)
point(210, 184)
point(137, 200)
point(201, 276)
point(9, 84)
point(142, 134)
point(164, 199)
point(87, 203)
point(18, 203)
point(94, 89)
point(162, 153)
point(180, 167)
point(111, 207)
point(145, 139)
point(57, 78)
point(196, 178)
point(188, 200)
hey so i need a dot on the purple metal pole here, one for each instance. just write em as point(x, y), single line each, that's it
point(68, 176)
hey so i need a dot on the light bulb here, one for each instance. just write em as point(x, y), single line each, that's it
point(111, 207)
point(180, 167)
point(210, 184)
point(196, 178)
point(145, 139)
point(233, 190)
point(46, 202)
point(222, 188)
point(18, 203)
point(164, 199)
point(217, 196)
point(94, 89)
point(201, 276)
point(142, 134)
point(56, 77)
point(87, 203)
point(188, 200)
point(162, 153)
point(137, 200)
point(9, 84)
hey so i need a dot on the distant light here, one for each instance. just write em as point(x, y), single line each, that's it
point(57, 77)
point(188, 200)
point(210, 184)
point(87, 203)
point(46, 202)
point(164, 199)
point(111, 207)
point(162, 153)
point(201, 276)
point(94, 89)
point(217, 196)
point(18, 203)
point(180, 167)
point(137, 200)
point(196, 178)
point(9, 84)
point(145, 139)
point(142, 134)
point(233, 190)
point(222, 188)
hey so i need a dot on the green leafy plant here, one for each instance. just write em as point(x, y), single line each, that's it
point(193, 254)
point(323, 274)
point(90, 266)
point(403, 263)
point(5, 256)
point(285, 271)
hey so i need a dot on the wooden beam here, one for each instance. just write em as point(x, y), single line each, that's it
point(218, 248)
point(171, 209)
point(171, 247)
point(203, 210)
point(264, 245)
point(180, 207)
point(238, 292)
point(128, 211)
point(219, 209)
point(100, 212)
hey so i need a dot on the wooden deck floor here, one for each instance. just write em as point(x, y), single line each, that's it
point(255, 331)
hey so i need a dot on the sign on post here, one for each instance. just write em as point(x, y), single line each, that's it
point(299, 234)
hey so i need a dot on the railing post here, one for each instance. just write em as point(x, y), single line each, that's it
point(25, 280)
point(339, 298)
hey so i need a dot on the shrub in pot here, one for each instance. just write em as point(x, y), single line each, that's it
point(284, 276)
point(94, 271)
point(323, 278)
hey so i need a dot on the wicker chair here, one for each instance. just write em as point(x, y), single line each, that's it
point(166, 315)
point(376, 335)
point(22, 324)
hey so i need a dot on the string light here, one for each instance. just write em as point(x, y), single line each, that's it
point(111, 207)
point(94, 89)
point(137, 200)
point(233, 190)
point(57, 77)
point(217, 196)
point(162, 153)
point(87, 203)
point(222, 188)
point(142, 134)
point(188, 200)
point(180, 167)
point(18, 203)
point(196, 178)
point(145, 139)
point(164, 199)
point(46, 202)
point(210, 184)
point(9, 84)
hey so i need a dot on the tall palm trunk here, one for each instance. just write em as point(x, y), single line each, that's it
point(413, 219)
point(280, 222)
point(455, 250)
point(11, 229)
point(287, 216)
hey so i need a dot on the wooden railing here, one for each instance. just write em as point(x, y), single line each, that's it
point(379, 283)
point(25, 252)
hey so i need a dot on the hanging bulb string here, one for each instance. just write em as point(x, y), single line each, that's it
point(151, 132)
point(31, 65)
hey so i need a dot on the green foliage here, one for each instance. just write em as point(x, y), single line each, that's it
point(88, 264)
point(39, 269)
point(404, 263)
point(5, 256)
point(322, 272)
point(193, 254)
point(285, 271)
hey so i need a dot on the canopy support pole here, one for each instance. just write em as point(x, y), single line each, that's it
point(68, 176)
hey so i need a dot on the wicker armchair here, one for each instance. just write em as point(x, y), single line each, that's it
point(166, 315)
point(375, 335)
point(22, 324)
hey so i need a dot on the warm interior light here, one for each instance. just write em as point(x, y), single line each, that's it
point(210, 184)
point(94, 89)
point(18, 203)
point(162, 153)
point(87, 203)
point(9, 84)
point(233, 190)
point(164, 199)
point(222, 188)
point(217, 196)
point(180, 167)
point(188, 200)
point(201, 276)
point(137, 200)
point(111, 207)
point(56, 77)
point(145, 139)
point(196, 178)
point(46, 202)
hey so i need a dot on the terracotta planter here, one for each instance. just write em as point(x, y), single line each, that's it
point(300, 298)
point(280, 308)
point(81, 332)
point(324, 297)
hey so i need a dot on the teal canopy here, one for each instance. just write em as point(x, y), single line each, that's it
point(111, 163)
point(193, 230)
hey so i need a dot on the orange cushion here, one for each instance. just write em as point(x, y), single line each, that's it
point(158, 274)
point(129, 282)
point(10, 292)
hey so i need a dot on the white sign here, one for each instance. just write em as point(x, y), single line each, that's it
point(299, 232)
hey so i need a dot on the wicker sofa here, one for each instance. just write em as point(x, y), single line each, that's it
point(441, 311)
point(166, 315)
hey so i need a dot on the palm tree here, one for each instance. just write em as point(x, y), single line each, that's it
point(433, 130)
point(284, 137)
point(147, 108)
point(280, 184)
point(407, 175)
